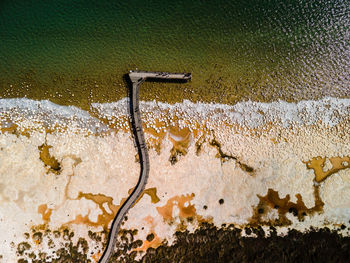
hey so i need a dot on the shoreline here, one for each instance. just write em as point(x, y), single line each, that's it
point(82, 91)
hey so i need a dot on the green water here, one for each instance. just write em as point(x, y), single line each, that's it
point(236, 50)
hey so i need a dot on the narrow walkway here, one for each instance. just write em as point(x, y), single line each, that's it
point(137, 77)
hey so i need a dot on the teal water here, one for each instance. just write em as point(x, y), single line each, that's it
point(260, 50)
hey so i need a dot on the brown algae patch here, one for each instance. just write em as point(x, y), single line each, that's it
point(12, 128)
point(226, 244)
point(22, 247)
point(272, 200)
point(63, 250)
point(224, 157)
point(318, 165)
point(49, 160)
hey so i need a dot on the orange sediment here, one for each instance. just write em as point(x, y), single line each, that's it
point(45, 212)
point(283, 205)
point(318, 163)
point(152, 240)
point(107, 216)
point(47, 158)
point(96, 257)
point(183, 202)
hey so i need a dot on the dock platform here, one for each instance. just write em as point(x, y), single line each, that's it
point(137, 76)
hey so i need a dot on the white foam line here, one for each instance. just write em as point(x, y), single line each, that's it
point(50, 113)
point(328, 110)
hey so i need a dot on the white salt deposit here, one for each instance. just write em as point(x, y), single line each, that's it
point(101, 162)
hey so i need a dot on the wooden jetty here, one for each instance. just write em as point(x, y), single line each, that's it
point(137, 77)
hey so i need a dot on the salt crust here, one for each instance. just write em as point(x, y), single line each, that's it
point(329, 111)
point(107, 165)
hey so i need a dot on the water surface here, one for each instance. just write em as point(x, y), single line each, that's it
point(236, 50)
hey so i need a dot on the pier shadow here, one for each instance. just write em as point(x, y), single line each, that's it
point(180, 81)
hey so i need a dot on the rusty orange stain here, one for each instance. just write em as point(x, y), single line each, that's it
point(102, 219)
point(155, 242)
point(96, 257)
point(317, 164)
point(106, 217)
point(180, 138)
point(45, 213)
point(166, 211)
point(152, 192)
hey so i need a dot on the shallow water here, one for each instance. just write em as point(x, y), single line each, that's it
point(236, 50)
